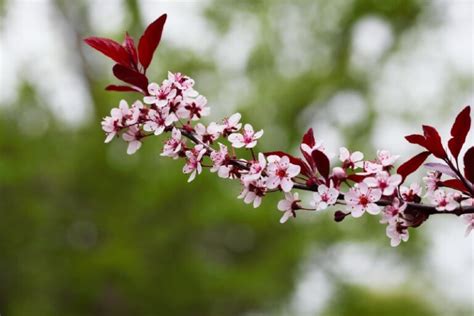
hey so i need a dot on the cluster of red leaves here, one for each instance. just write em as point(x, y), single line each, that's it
point(431, 141)
point(131, 62)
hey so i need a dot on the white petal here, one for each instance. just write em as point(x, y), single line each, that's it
point(285, 217)
point(286, 184)
point(373, 209)
point(133, 146)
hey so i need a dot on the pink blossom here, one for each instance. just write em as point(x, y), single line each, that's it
point(354, 160)
point(247, 139)
point(220, 160)
point(173, 145)
point(385, 158)
point(361, 198)
point(371, 167)
point(256, 169)
point(324, 197)
point(194, 109)
point(193, 164)
point(280, 172)
point(288, 206)
point(132, 136)
point(468, 218)
point(112, 124)
point(385, 182)
point(231, 124)
point(208, 134)
point(392, 212)
point(444, 201)
point(160, 96)
point(411, 194)
point(157, 120)
point(397, 232)
point(253, 191)
point(432, 181)
point(180, 81)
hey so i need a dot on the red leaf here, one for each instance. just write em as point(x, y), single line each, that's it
point(294, 160)
point(308, 138)
point(109, 48)
point(357, 177)
point(130, 76)
point(129, 45)
point(433, 142)
point(412, 164)
point(150, 40)
point(416, 139)
point(469, 164)
point(455, 184)
point(459, 131)
point(322, 162)
point(114, 87)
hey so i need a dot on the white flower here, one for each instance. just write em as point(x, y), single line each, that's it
point(396, 231)
point(160, 96)
point(132, 136)
point(372, 167)
point(361, 198)
point(173, 145)
point(392, 212)
point(256, 169)
point(324, 197)
point(412, 193)
point(385, 182)
point(232, 124)
point(253, 192)
point(220, 160)
point(280, 172)
point(444, 201)
point(288, 206)
point(208, 134)
point(385, 158)
point(193, 164)
point(354, 160)
point(194, 109)
point(180, 81)
point(247, 139)
point(432, 181)
point(157, 120)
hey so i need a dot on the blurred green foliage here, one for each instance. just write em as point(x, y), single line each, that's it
point(87, 230)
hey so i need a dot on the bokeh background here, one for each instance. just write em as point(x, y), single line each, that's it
point(87, 230)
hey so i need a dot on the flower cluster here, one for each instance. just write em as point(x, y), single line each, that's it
point(356, 185)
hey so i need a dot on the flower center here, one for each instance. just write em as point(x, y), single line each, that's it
point(363, 200)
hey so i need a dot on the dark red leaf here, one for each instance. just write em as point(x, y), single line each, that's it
point(459, 131)
point(412, 164)
point(150, 40)
point(129, 45)
point(469, 164)
point(308, 138)
point(433, 142)
point(416, 139)
point(294, 160)
point(130, 76)
point(357, 177)
point(322, 162)
point(114, 87)
point(455, 184)
point(109, 48)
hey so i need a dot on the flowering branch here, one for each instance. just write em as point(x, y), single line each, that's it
point(357, 185)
